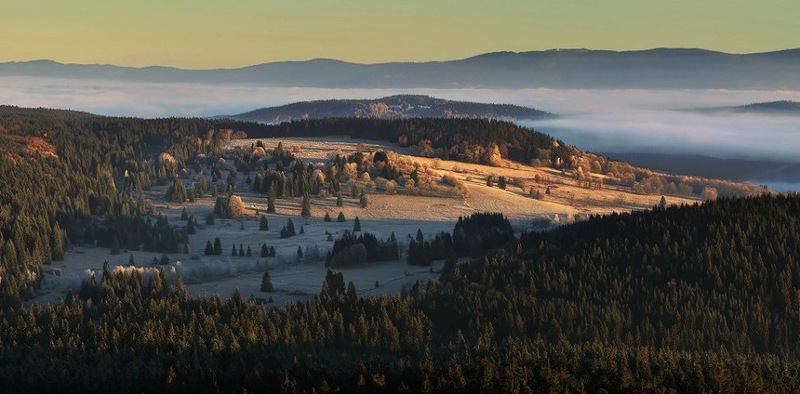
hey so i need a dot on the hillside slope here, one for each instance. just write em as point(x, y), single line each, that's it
point(392, 107)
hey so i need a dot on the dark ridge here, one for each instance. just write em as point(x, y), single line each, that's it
point(392, 107)
point(659, 68)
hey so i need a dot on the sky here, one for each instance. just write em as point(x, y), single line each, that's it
point(203, 34)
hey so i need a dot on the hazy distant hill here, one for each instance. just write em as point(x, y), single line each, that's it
point(393, 107)
point(783, 107)
point(739, 170)
point(650, 69)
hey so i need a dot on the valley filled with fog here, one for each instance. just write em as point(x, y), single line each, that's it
point(606, 121)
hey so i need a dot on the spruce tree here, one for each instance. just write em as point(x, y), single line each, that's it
point(351, 291)
point(209, 248)
point(115, 245)
point(190, 227)
point(177, 191)
point(306, 207)
point(356, 224)
point(340, 218)
point(266, 282)
point(327, 217)
point(217, 247)
point(339, 201)
point(263, 225)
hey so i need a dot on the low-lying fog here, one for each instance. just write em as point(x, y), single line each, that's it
point(595, 120)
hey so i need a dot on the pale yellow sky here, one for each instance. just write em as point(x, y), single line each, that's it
point(227, 33)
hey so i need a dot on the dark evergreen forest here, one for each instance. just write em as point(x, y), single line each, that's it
point(695, 298)
point(690, 298)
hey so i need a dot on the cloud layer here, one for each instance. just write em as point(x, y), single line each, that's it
point(597, 120)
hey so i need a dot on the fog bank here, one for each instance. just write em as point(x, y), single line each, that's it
point(595, 120)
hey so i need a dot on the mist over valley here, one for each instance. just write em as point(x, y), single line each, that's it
point(607, 121)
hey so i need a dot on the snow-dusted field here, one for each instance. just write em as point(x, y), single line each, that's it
point(300, 279)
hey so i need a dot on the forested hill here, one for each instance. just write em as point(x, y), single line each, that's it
point(691, 299)
point(60, 169)
point(783, 107)
point(393, 107)
point(467, 140)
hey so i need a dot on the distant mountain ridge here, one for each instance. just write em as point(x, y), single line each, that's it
point(782, 107)
point(392, 107)
point(662, 68)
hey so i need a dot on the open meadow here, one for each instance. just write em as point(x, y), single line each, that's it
point(401, 212)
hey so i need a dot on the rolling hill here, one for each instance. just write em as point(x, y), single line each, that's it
point(393, 107)
point(662, 68)
point(783, 107)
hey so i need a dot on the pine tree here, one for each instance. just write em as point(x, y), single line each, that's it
point(241, 250)
point(115, 245)
point(263, 225)
point(299, 252)
point(177, 191)
point(364, 200)
point(266, 282)
point(306, 207)
point(234, 253)
point(270, 206)
point(249, 251)
point(327, 217)
point(264, 250)
point(351, 291)
point(209, 248)
point(190, 227)
point(356, 224)
point(184, 214)
point(339, 201)
point(302, 230)
point(217, 247)
point(340, 218)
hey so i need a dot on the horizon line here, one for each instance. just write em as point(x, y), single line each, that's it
point(396, 61)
